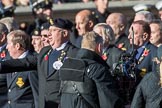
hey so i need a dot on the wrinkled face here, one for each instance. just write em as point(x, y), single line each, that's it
point(55, 35)
point(160, 14)
point(37, 43)
point(114, 23)
point(156, 35)
point(44, 35)
point(81, 25)
point(12, 49)
point(102, 4)
point(138, 35)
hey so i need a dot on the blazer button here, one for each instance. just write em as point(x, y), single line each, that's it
point(9, 90)
point(9, 102)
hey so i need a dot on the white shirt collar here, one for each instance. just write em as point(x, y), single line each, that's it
point(62, 46)
point(23, 55)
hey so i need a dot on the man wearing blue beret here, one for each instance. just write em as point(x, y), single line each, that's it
point(47, 62)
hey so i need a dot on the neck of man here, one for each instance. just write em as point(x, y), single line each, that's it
point(101, 10)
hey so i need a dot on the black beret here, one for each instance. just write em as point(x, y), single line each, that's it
point(45, 26)
point(62, 23)
point(36, 32)
point(159, 52)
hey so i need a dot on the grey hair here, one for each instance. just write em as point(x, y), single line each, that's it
point(3, 28)
point(90, 40)
point(107, 31)
point(149, 17)
point(10, 23)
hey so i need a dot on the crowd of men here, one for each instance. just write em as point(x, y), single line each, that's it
point(101, 61)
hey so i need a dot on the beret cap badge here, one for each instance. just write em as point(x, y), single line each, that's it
point(36, 32)
point(51, 22)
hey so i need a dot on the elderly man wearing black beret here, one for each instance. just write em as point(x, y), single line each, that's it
point(47, 63)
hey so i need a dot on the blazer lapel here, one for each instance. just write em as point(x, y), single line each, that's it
point(11, 78)
point(44, 61)
point(145, 53)
point(45, 67)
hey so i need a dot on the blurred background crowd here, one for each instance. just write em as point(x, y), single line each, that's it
point(27, 2)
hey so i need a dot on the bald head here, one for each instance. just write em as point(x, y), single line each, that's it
point(117, 17)
point(118, 23)
point(86, 15)
point(85, 21)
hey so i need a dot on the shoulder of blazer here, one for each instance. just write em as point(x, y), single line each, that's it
point(152, 47)
point(45, 49)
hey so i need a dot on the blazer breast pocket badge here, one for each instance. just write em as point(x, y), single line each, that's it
point(20, 82)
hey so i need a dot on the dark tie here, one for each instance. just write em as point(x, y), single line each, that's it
point(54, 55)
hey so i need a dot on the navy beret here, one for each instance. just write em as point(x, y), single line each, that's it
point(36, 32)
point(159, 52)
point(45, 26)
point(62, 23)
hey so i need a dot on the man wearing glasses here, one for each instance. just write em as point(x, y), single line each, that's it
point(48, 62)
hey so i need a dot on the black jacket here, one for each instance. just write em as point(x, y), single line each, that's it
point(113, 55)
point(123, 39)
point(148, 93)
point(103, 94)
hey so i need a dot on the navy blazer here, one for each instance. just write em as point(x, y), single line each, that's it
point(22, 89)
point(146, 63)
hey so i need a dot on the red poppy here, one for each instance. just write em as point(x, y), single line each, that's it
point(46, 57)
point(3, 54)
point(104, 56)
point(120, 45)
point(146, 52)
